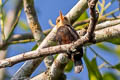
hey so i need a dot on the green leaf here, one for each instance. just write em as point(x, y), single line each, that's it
point(82, 17)
point(99, 55)
point(113, 1)
point(4, 3)
point(69, 66)
point(117, 66)
point(23, 25)
point(53, 43)
point(91, 73)
point(117, 49)
point(109, 76)
point(55, 56)
point(93, 70)
point(115, 41)
point(94, 64)
point(35, 47)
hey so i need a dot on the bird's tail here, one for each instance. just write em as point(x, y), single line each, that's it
point(78, 66)
point(76, 57)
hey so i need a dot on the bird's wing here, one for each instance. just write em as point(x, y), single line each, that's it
point(73, 32)
point(64, 36)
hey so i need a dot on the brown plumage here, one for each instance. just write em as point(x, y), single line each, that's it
point(65, 35)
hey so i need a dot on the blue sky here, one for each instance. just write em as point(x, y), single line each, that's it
point(47, 9)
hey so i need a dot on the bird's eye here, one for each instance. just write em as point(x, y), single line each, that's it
point(58, 20)
point(65, 18)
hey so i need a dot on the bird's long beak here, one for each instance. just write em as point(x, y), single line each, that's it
point(61, 16)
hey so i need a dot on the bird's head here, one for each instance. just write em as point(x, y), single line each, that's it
point(62, 20)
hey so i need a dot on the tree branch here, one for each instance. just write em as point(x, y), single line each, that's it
point(73, 15)
point(93, 18)
point(107, 24)
point(18, 37)
point(33, 21)
point(100, 20)
point(56, 71)
point(77, 10)
point(101, 35)
point(13, 16)
point(32, 64)
point(29, 66)
point(103, 25)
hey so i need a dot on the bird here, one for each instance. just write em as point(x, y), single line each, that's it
point(66, 34)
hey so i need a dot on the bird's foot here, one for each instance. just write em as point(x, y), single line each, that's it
point(71, 50)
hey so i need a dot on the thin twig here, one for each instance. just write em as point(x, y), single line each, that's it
point(101, 19)
point(2, 21)
point(21, 41)
point(13, 25)
point(100, 56)
point(51, 24)
point(102, 65)
point(112, 12)
point(93, 18)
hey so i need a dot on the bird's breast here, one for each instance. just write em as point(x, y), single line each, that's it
point(64, 36)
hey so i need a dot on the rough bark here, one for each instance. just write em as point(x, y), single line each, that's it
point(100, 36)
point(29, 66)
